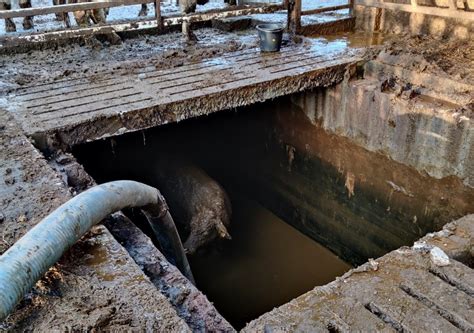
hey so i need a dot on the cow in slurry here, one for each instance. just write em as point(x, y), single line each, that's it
point(199, 205)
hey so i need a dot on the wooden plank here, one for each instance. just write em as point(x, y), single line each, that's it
point(453, 4)
point(68, 8)
point(171, 20)
point(221, 13)
point(324, 9)
point(435, 11)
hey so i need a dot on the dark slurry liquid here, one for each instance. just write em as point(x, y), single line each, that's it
point(266, 264)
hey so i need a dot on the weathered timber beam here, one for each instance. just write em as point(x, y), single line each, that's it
point(324, 9)
point(220, 13)
point(435, 11)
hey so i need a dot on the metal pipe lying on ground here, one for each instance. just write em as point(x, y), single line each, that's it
point(25, 262)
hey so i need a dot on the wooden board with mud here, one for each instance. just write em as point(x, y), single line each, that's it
point(81, 109)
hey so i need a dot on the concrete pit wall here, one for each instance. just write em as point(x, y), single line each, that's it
point(427, 134)
point(359, 168)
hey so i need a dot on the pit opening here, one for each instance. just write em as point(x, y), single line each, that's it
point(307, 205)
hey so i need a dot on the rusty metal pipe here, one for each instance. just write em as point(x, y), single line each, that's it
point(31, 256)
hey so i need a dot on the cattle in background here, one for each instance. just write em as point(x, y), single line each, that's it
point(186, 6)
point(84, 18)
point(9, 24)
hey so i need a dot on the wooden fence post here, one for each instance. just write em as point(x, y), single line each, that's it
point(159, 21)
point(294, 16)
